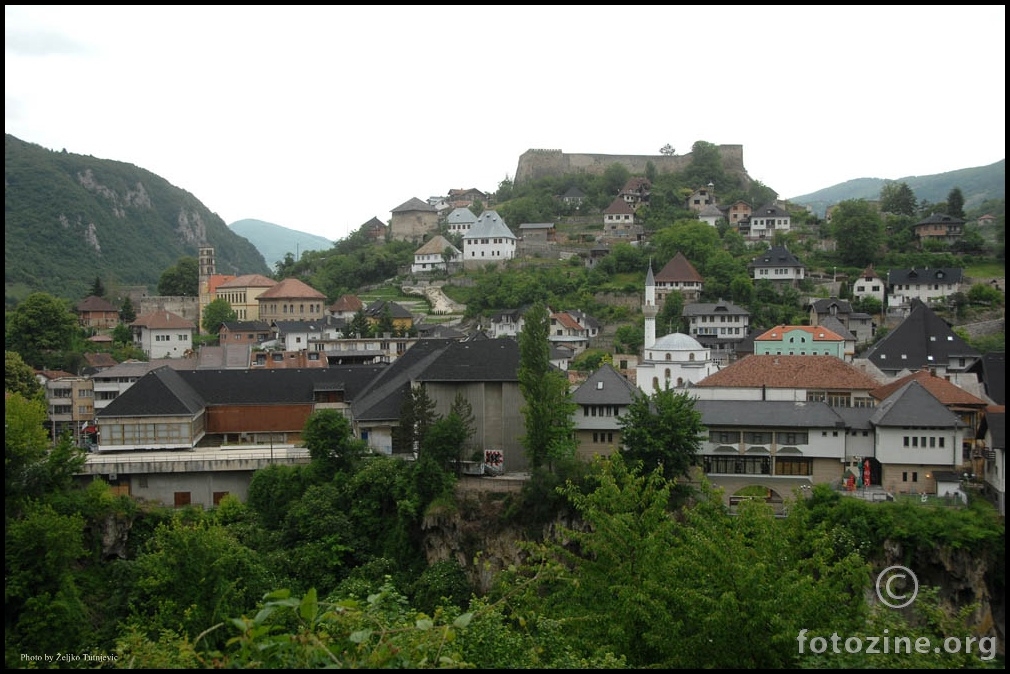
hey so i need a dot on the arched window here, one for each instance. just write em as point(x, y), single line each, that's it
point(667, 374)
point(690, 356)
point(655, 383)
point(669, 356)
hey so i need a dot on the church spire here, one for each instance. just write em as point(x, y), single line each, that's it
point(649, 308)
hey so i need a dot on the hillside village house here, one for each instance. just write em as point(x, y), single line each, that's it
point(459, 221)
point(680, 275)
point(701, 197)
point(718, 326)
point(435, 255)
point(96, 313)
point(738, 212)
point(931, 286)
point(619, 218)
point(163, 335)
point(70, 402)
point(939, 227)
point(859, 324)
point(777, 265)
point(602, 399)
point(465, 198)
point(764, 222)
point(711, 215)
point(489, 241)
point(345, 307)
point(869, 284)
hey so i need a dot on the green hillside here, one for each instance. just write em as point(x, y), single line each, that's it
point(70, 218)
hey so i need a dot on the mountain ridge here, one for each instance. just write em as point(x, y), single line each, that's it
point(275, 241)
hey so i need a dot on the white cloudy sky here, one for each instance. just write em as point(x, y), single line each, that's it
point(319, 119)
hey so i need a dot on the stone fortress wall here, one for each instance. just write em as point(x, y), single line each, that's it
point(535, 164)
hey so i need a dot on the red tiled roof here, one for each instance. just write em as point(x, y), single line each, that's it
point(822, 372)
point(943, 390)
point(347, 303)
point(249, 281)
point(292, 288)
point(818, 332)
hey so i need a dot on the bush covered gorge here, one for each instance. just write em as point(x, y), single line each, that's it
point(325, 565)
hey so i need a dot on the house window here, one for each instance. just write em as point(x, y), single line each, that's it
point(793, 466)
point(182, 498)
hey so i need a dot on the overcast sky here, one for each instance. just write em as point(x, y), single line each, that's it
point(319, 119)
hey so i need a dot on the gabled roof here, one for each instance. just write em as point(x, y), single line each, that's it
point(777, 256)
point(836, 326)
point(940, 219)
point(374, 224)
point(575, 193)
point(812, 372)
point(770, 211)
point(722, 307)
point(489, 226)
point(869, 273)
point(993, 366)
point(249, 281)
point(436, 246)
point(925, 275)
point(485, 360)
point(292, 288)
point(818, 333)
point(161, 392)
point(414, 204)
point(823, 306)
point(768, 414)
point(348, 303)
point(102, 361)
point(619, 207)
point(606, 386)
point(923, 339)
point(461, 216)
point(376, 309)
point(913, 405)
point(96, 304)
point(228, 355)
point(383, 398)
point(678, 269)
point(168, 392)
point(995, 423)
point(566, 320)
point(163, 320)
point(947, 393)
point(710, 210)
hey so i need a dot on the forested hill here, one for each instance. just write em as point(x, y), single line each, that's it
point(70, 218)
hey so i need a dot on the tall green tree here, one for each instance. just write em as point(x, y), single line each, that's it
point(547, 401)
point(331, 442)
point(39, 328)
point(955, 203)
point(218, 311)
point(662, 431)
point(858, 231)
point(182, 279)
point(359, 325)
point(417, 414)
point(897, 198)
point(19, 377)
point(127, 312)
point(97, 287)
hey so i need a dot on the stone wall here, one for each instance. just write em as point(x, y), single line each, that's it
point(536, 164)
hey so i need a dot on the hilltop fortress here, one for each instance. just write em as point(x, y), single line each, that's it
point(535, 164)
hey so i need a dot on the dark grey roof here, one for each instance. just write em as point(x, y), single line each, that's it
point(606, 386)
point(913, 405)
point(836, 326)
point(993, 366)
point(376, 309)
point(722, 307)
point(161, 392)
point(823, 306)
point(996, 422)
point(940, 219)
point(383, 397)
point(925, 275)
point(482, 360)
point(414, 204)
point(923, 339)
point(856, 418)
point(777, 256)
point(768, 414)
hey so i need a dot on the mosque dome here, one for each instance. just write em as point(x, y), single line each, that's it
point(676, 341)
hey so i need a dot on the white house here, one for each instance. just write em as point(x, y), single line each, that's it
point(488, 241)
point(433, 254)
point(459, 221)
point(162, 334)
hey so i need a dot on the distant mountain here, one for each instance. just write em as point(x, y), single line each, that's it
point(275, 242)
point(976, 184)
point(70, 218)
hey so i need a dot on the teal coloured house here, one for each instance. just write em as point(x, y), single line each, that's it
point(800, 340)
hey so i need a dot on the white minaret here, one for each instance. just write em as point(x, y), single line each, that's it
point(649, 309)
